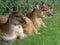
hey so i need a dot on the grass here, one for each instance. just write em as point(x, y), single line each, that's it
point(50, 35)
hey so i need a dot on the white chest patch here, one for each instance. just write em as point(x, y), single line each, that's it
point(36, 19)
point(18, 28)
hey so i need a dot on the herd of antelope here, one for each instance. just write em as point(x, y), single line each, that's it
point(18, 26)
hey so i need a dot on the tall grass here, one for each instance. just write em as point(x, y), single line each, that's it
point(22, 5)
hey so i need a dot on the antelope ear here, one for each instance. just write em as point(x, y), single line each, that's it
point(36, 5)
point(42, 2)
point(14, 8)
point(7, 10)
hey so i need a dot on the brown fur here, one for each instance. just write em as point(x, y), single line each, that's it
point(45, 9)
point(33, 16)
point(3, 19)
point(48, 8)
point(6, 30)
point(29, 27)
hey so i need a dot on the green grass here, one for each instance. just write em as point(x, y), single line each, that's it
point(50, 35)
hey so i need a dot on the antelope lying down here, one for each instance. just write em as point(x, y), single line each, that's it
point(12, 29)
point(34, 16)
